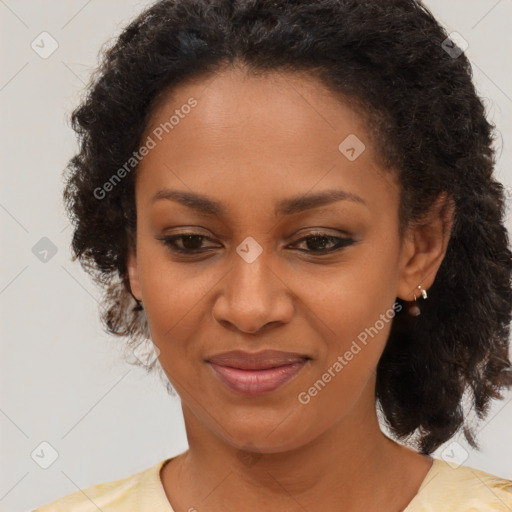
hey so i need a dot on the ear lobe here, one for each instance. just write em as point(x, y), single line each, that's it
point(133, 275)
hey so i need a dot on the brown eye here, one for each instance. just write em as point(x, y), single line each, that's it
point(186, 243)
point(317, 243)
point(322, 243)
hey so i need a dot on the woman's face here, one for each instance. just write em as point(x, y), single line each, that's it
point(253, 159)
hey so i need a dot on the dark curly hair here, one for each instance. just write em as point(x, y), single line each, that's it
point(391, 59)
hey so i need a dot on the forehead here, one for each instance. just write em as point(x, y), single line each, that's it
point(268, 135)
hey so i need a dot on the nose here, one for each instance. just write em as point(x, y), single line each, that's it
point(253, 296)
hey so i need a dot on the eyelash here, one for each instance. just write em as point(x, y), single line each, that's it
point(170, 243)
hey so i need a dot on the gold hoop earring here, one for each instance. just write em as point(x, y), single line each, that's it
point(415, 310)
point(422, 291)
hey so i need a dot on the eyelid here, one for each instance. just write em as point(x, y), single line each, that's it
point(312, 230)
point(307, 231)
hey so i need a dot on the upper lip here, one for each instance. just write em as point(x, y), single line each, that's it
point(256, 360)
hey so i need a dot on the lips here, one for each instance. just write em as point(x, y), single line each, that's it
point(258, 360)
point(256, 373)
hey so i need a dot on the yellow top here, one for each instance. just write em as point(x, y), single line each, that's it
point(444, 489)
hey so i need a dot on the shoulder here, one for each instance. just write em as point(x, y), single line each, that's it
point(126, 494)
point(451, 488)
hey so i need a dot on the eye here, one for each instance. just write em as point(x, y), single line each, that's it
point(190, 243)
point(319, 243)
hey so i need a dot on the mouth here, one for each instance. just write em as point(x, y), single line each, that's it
point(258, 373)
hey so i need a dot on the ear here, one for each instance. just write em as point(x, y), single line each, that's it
point(425, 247)
point(133, 274)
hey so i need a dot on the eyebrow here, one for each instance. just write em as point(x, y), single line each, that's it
point(289, 206)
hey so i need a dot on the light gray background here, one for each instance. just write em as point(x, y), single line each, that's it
point(62, 378)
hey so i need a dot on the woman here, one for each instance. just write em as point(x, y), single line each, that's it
point(295, 202)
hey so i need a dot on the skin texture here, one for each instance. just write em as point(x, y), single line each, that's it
point(250, 142)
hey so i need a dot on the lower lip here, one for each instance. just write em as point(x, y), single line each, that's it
point(256, 382)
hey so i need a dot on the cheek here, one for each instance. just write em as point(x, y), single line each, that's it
point(354, 304)
point(359, 325)
point(176, 301)
point(351, 297)
point(172, 303)
point(166, 294)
